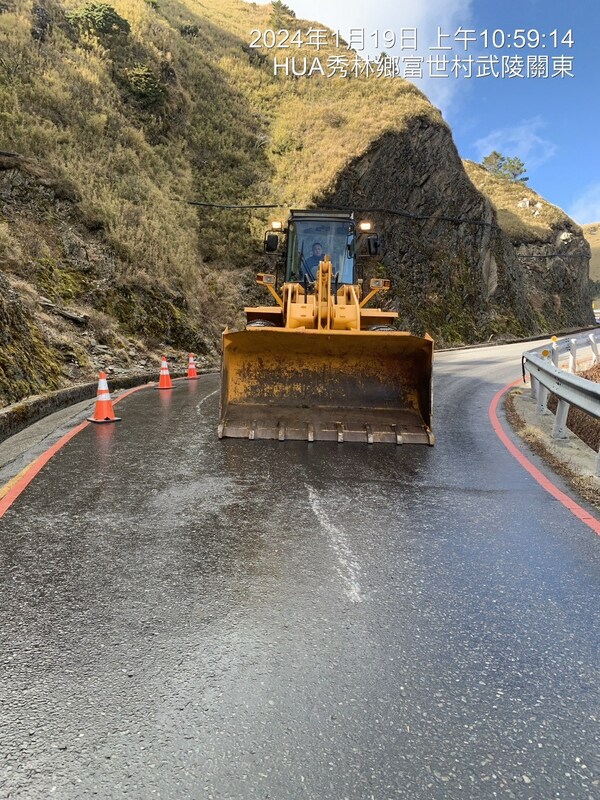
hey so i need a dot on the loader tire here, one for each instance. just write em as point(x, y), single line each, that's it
point(260, 323)
point(381, 328)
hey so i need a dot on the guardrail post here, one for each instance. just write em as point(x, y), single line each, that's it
point(554, 352)
point(569, 389)
point(572, 355)
point(542, 407)
point(559, 430)
point(594, 346)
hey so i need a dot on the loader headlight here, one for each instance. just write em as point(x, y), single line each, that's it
point(379, 283)
point(365, 226)
point(265, 280)
point(276, 225)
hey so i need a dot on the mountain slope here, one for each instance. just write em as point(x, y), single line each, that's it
point(592, 235)
point(121, 113)
point(550, 248)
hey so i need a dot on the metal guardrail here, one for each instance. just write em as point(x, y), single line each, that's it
point(543, 365)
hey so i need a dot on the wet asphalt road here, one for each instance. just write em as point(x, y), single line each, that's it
point(183, 617)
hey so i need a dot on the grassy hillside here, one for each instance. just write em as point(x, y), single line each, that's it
point(592, 234)
point(121, 112)
point(523, 214)
point(179, 107)
point(135, 120)
point(170, 103)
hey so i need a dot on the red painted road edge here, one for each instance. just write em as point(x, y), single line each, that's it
point(35, 467)
point(545, 482)
point(573, 507)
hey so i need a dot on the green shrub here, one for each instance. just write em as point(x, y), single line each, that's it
point(189, 31)
point(99, 20)
point(145, 86)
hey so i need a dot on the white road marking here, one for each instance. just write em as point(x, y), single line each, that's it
point(347, 566)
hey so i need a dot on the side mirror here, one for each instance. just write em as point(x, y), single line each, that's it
point(271, 242)
point(373, 245)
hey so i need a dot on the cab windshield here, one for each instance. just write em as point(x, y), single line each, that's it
point(309, 241)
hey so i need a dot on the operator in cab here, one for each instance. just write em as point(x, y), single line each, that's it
point(312, 262)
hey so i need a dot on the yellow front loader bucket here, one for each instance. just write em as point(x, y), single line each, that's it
point(367, 386)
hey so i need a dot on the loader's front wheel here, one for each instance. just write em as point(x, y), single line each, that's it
point(261, 323)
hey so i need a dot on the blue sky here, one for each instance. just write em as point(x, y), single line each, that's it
point(552, 124)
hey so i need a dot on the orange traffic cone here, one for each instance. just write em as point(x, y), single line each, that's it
point(191, 373)
point(164, 381)
point(103, 411)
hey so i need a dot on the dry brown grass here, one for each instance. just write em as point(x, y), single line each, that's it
point(578, 422)
point(592, 234)
point(519, 223)
point(584, 486)
point(229, 130)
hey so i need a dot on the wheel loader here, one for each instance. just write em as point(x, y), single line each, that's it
point(320, 363)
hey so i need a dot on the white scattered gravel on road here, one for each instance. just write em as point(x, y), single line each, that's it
point(347, 566)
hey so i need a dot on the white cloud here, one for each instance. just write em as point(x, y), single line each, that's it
point(522, 140)
point(586, 208)
point(381, 15)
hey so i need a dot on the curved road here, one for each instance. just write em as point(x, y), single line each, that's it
point(183, 617)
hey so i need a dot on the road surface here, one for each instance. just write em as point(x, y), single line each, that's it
point(183, 617)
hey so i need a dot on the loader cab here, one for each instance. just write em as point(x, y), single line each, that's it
point(335, 233)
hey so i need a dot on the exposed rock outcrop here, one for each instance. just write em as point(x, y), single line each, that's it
point(455, 270)
point(592, 236)
point(556, 278)
point(550, 248)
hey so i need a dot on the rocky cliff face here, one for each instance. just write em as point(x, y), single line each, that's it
point(592, 236)
point(550, 249)
point(455, 270)
point(557, 280)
